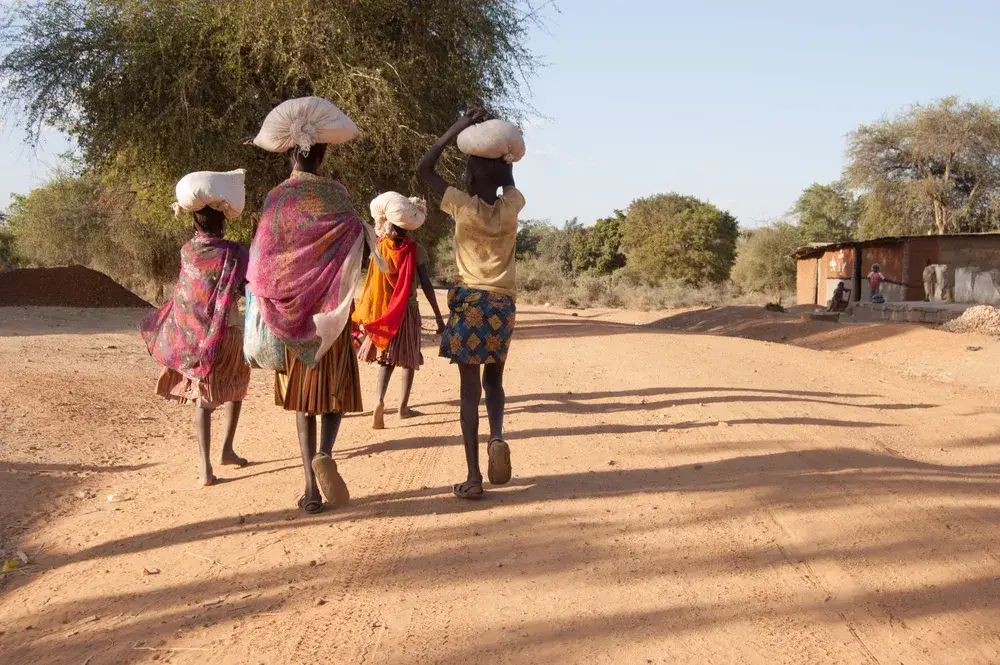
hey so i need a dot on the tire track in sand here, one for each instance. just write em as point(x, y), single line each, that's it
point(353, 628)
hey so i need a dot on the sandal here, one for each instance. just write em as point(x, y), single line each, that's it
point(499, 469)
point(331, 483)
point(468, 490)
point(312, 506)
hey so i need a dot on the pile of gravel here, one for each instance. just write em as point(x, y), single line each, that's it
point(982, 319)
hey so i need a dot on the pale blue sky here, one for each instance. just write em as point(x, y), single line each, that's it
point(743, 104)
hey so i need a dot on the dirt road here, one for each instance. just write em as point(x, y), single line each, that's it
point(678, 498)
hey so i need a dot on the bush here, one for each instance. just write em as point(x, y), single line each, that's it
point(8, 257)
point(598, 250)
point(74, 220)
point(674, 237)
point(59, 223)
point(765, 262)
point(444, 272)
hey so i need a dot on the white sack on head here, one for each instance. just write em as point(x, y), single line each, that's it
point(302, 123)
point(226, 192)
point(395, 209)
point(493, 139)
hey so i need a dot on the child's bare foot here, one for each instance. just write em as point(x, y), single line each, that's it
point(406, 412)
point(230, 458)
point(378, 417)
point(206, 478)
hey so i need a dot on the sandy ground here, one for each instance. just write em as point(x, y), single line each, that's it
point(689, 491)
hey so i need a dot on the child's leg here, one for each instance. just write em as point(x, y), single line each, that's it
point(471, 393)
point(203, 426)
point(330, 427)
point(312, 501)
point(229, 456)
point(496, 398)
point(325, 469)
point(381, 386)
point(498, 449)
point(404, 400)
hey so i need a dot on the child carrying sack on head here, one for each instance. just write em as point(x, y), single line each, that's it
point(387, 312)
point(197, 334)
point(482, 308)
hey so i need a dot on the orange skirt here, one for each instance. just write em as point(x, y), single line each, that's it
point(228, 381)
point(333, 385)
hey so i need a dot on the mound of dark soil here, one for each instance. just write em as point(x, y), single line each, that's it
point(74, 286)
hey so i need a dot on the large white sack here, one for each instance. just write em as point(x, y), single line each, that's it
point(395, 209)
point(303, 123)
point(226, 192)
point(493, 139)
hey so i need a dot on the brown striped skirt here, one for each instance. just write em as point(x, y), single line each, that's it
point(228, 381)
point(333, 385)
point(404, 348)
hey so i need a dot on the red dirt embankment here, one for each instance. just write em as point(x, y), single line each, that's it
point(74, 286)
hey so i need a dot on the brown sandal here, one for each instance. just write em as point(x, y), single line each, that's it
point(500, 469)
point(468, 490)
point(331, 483)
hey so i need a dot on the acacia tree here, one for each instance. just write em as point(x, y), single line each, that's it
point(153, 89)
point(932, 169)
point(827, 213)
point(670, 236)
point(765, 261)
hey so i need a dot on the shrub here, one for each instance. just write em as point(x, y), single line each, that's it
point(765, 261)
point(669, 236)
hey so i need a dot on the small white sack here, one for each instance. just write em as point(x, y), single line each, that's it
point(226, 192)
point(395, 209)
point(493, 139)
point(303, 123)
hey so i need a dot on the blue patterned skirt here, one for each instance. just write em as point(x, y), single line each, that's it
point(479, 327)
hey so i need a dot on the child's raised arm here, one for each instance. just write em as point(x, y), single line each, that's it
point(427, 163)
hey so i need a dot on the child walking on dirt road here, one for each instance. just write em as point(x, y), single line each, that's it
point(387, 311)
point(197, 335)
point(305, 260)
point(482, 308)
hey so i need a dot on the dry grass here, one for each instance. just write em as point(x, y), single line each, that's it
point(542, 283)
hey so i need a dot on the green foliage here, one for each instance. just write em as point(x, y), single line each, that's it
point(60, 223)
point(153, 89)
point(556, 246)
point(8, 254)
point(932, 169)
point(529, 235)
point(539, 239)
point(765, 261)
point(598, 250)
point(445, 272)
point(827, 213)
point(670, 236)
point(74, 220)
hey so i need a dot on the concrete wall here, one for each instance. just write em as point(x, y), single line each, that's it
point(971, 267)
point(806, 276)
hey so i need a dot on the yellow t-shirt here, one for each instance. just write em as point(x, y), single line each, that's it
point(485, 239)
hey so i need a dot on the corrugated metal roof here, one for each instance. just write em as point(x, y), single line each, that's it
point(814, 248)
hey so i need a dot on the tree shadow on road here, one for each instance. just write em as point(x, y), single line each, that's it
point(575, 539)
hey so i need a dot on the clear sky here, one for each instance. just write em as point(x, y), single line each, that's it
point(740, 103)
